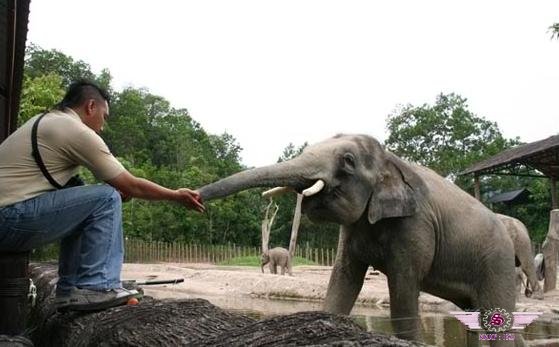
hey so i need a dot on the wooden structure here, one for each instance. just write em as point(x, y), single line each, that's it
point(14, 281)
point(13, 34)
point(514, 197)
point(535, 159)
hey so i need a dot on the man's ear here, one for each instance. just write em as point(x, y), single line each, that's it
point(89, 107)
point(395, 195)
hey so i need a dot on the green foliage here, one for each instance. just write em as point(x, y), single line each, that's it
point(535, 213)
point(39, 62)
point(46, 253)
point(445, 137)
point(291, 152)
point(554, 30)
point(39, 94)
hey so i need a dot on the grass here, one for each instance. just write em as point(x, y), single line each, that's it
point(255, 261)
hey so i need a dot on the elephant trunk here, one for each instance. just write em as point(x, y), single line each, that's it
point(294, 173)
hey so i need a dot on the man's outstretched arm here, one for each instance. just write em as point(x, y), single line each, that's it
point(132, 186)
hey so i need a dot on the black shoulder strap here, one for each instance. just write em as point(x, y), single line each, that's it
point(35, 153)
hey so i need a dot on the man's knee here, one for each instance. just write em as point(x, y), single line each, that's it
point(108, 194)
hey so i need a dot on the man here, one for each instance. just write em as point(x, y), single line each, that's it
point(87, 219)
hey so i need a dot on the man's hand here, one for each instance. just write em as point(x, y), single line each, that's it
point(191, 199)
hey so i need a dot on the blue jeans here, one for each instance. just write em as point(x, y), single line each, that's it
point(87, 220)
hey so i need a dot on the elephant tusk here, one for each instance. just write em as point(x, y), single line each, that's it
point(276, 191)
point(315, 189)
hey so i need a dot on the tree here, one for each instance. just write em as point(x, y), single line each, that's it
point(445, 137)
point(40, 62)
point(554, 29)
point(39, 94)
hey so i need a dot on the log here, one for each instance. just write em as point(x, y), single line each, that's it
point(193, 322)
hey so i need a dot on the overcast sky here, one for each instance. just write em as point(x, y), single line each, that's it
point(274, 72)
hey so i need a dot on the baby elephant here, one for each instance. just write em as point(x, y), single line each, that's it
point(276, 256)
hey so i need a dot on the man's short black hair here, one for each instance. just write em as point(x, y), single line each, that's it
point(80, 91)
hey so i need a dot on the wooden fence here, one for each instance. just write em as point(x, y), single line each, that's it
point(139, 251)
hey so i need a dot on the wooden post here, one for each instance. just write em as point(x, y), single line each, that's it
point(477, 190)
point(554, 203)
point(549, 250)
point(295, 226)
point(14, 287)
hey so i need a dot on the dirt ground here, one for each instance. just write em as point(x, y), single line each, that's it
point(246, 288)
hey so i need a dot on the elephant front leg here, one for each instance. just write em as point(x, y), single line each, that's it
point(404, 295)
point(346, 279)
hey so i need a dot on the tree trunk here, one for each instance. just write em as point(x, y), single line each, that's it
point(549, 250)
point(267, 225)
point(193, 322)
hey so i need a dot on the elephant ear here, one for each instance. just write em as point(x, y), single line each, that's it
point(396, 193)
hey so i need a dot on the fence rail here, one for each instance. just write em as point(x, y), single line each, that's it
point(139, 251)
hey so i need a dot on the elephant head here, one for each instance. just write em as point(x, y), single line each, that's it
point(342, 178)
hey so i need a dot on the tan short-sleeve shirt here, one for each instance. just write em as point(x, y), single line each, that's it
point(65, 143)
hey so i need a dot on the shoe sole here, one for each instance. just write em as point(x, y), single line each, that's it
point(96, 306)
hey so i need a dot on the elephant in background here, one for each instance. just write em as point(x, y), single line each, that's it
point(278, 256)
point(523, 253)
point(419, 229)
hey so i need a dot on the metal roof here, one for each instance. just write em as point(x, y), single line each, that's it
point(14, 16)
point(522, 160)
point(510, 197)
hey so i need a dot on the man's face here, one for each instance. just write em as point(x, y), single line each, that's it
point(97, 112)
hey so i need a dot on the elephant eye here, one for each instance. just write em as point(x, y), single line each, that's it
point(349, 162)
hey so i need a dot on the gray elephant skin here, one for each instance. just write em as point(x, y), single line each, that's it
point(275, 257)
point(523, 252)
point(419, 229)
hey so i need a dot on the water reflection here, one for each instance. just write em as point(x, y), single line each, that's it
point(437, 329)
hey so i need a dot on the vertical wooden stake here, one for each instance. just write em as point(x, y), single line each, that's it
point(477, 189)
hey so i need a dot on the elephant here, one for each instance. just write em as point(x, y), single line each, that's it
point(419, 229)
point(523, 253)
point(278, 256)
